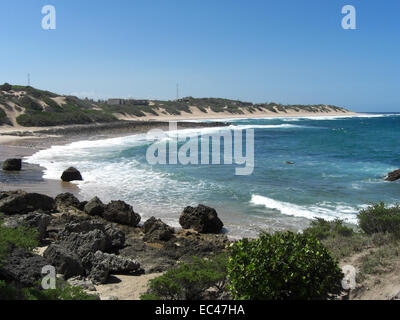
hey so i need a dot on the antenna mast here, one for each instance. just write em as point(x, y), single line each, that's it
point(177, 91)
point(29, 79)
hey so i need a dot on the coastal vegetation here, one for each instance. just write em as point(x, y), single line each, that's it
point(41, 108)
point(90, 241)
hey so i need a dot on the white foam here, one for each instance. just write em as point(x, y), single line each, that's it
point(323, 210)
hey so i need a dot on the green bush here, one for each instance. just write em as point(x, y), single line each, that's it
point(29, 104)
point(189, 281)
point(22, 237)
point(5, 87)
point(63, 291)
point(282, 266)
point(378, 218)
point(322, 229)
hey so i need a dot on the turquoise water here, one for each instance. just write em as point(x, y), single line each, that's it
point(339, 167)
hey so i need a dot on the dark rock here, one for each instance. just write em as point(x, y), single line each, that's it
point(94, 207)
point(100, 265)
point(116, 264)
point(36, 220)
point(20, 202)
point(156, 230)
point(89, 236)
point(71, 174)
point(84, 243)
point(82, 205)
point(23, 267)
point(121, 212)
point(12, 165)
point(99, 274)
point(393, 176)
point(203, 219)
point(65, 261)
point(116, 238)
point(65, 200)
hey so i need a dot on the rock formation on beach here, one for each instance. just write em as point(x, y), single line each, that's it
point(12, 165)
point(91, 240)
point(71, 174)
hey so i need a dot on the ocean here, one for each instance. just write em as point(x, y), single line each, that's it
point(328, 167)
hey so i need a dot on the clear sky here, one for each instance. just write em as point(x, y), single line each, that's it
point(287, 51)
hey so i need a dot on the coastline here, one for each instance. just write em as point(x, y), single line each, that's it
point(21, 142)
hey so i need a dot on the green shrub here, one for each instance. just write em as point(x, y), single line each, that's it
point(22, 237)
point(5, 87)
point(322, 229)
point(63, 291)
point(282, 266)
point(29, 104)
point(378, 218)
point(189, 281)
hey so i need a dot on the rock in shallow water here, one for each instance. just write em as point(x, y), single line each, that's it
point(71, 174)
point(393, 176)
point(12, 165)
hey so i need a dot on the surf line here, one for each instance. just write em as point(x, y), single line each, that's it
point(188, 153)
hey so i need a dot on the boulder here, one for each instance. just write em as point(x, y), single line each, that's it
point(88, 236)
point(393, 176)
point(71, 174)
point(122, 213)
point(36, 220)
point(100, 265)
point(65, 200)
point(65, 261)
point(156, 230)
point(84, 243)
point(203, 219)
point(22, 267)
point(94, 207)
point(12, 165)
point(20, 202)
point(99, 274)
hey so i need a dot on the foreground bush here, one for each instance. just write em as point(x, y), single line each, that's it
point(322, 229)
point(282, 266)
point(22, 237)
point(378, 218)
point(190, 280)
point(62, 292)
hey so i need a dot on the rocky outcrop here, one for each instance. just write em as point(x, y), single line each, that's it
point(393, 176)
point(155, 230)
point(37, 220)
point(65, 261)
point(101, 265)
point(22, 267)
point(203, 219)
point(121, 212)
point(12, 165)
point(66, 200)
point(94, 207)
point(71, 174)
point(20, 202)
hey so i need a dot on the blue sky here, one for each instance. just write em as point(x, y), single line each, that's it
point(287, 51)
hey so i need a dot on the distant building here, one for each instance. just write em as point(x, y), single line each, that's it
point(115, 101)
point(129, 102)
